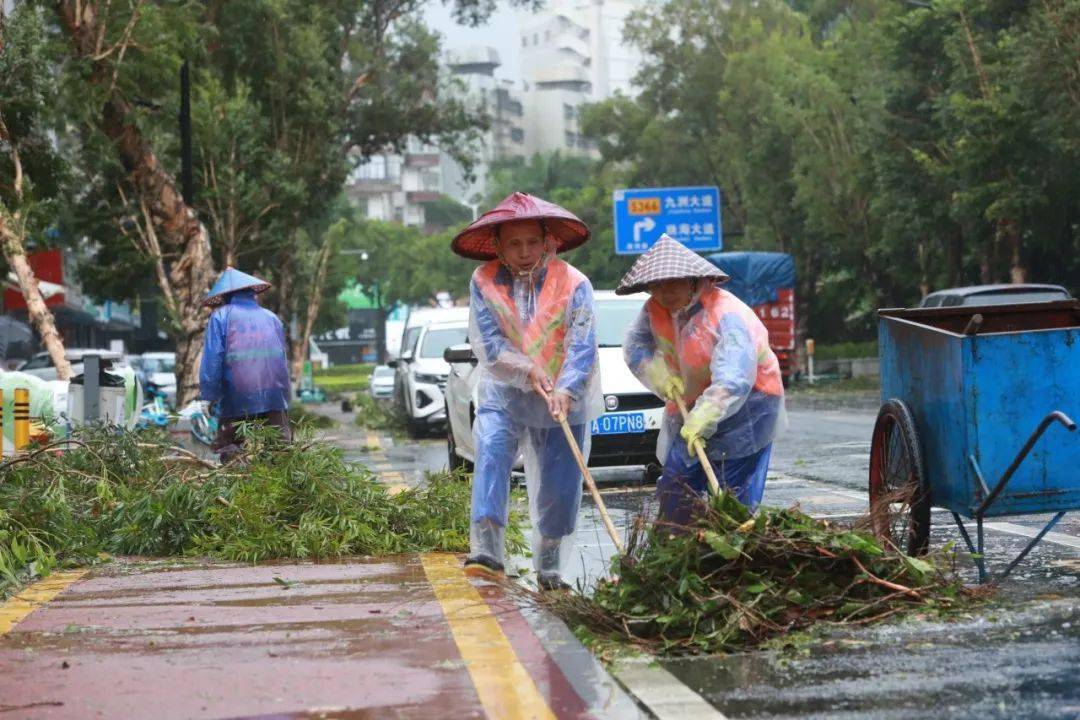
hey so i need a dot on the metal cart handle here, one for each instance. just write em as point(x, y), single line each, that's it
point(1046, 422)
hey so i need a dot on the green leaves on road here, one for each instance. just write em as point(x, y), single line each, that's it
point(734, 580)
point(132, 494)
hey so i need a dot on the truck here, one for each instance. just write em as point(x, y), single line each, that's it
point(766, 282)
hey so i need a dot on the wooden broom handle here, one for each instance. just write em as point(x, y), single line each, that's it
point(714, 485)
point(572, 442)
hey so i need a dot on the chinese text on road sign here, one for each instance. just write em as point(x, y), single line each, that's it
point(690, 215)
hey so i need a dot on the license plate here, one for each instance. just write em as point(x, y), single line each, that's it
point(619, 423)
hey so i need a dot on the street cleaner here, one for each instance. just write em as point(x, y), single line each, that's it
point(532, 328)
point(244, 372)
point(699, 342)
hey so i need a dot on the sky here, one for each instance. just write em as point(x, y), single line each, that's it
point(501, 33)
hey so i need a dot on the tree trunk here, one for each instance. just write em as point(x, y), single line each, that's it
point(12, 234)
point(183, 237)
point(300, 343)
point(955, 257)
point(1011, 233)
point(41, 318)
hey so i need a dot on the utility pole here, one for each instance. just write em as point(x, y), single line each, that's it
point(186, 182)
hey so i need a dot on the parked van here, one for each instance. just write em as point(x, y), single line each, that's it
point(420, 371)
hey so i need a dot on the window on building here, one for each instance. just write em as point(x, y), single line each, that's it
point(570, 139)
point(517, 135)
point(536, 38)
point(524, 41)
point(568, 111)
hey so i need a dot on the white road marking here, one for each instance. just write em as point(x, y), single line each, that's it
point(661, 692)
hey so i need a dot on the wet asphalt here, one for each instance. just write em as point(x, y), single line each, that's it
point(1018, 657)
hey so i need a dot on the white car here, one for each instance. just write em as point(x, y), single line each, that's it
point(624, 435)
point(381, 386)
point(41, 365)
point(419, 317)
point(421, 374)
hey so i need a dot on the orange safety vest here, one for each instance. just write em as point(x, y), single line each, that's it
point(542, 338)
point(689, 354)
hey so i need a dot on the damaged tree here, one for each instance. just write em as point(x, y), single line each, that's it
point(12, 235)
point(184, 247)
point(24, 84)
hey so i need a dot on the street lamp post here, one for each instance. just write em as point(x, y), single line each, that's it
point(380, 319)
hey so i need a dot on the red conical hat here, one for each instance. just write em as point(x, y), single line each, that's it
point(478, 240)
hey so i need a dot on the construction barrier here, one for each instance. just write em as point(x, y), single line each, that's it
point(22, 418)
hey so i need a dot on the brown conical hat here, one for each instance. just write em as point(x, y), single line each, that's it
point(478, 240)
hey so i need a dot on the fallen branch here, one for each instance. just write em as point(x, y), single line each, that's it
point(885, 583)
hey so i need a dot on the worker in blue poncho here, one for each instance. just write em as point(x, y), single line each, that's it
point(245, 370)
point(532, 326)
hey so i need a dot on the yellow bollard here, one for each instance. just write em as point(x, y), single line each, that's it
point(22, 418)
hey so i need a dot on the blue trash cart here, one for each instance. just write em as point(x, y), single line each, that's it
point(976, 419)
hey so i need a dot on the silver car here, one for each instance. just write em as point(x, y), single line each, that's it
point(41, 365)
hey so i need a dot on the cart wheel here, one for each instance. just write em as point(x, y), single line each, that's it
point(899, 493)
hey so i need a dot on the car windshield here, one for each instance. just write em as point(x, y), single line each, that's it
point(159, 365)
point(35, 363)
point(408, 342)
point(438, 340)
point(383, 372)
point(613, 317)
point(1008, 298)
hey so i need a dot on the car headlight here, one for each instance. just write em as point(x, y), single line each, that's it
point(428, 378)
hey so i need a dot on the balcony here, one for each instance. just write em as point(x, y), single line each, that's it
point(422, 160)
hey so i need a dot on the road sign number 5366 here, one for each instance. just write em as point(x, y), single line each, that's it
point(644, 206)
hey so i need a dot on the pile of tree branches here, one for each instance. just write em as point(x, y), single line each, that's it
point(134, 494)
point(734, 580)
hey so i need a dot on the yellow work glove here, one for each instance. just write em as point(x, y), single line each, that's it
point(700, 421)
point(660, 377)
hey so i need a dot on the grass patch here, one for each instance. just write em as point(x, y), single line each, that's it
point(735, 580)
point(132, 494)
point(344, 378)
point(835, 386)
point(836, 351)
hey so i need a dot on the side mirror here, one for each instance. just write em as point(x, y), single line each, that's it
point(407, 356)
point(459, 354)
point(392, 363)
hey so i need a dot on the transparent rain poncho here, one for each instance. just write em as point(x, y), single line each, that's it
point(511, 417)
point(735, 396)
point(244, 364)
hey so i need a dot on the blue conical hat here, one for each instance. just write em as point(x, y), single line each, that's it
point(230, 281)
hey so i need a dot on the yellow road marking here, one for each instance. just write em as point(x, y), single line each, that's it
point(18, 607)
point(395, 480)
point(505, 687)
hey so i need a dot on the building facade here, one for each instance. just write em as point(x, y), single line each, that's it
point(573, 54)
point(395, 187)
point(471, 77)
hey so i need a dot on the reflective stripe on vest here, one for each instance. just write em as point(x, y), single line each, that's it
point(689, 354)
point(542, 338)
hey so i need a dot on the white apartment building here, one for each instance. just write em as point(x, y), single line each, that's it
point(573, 54)
point(395, 187)
point(473, 70)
